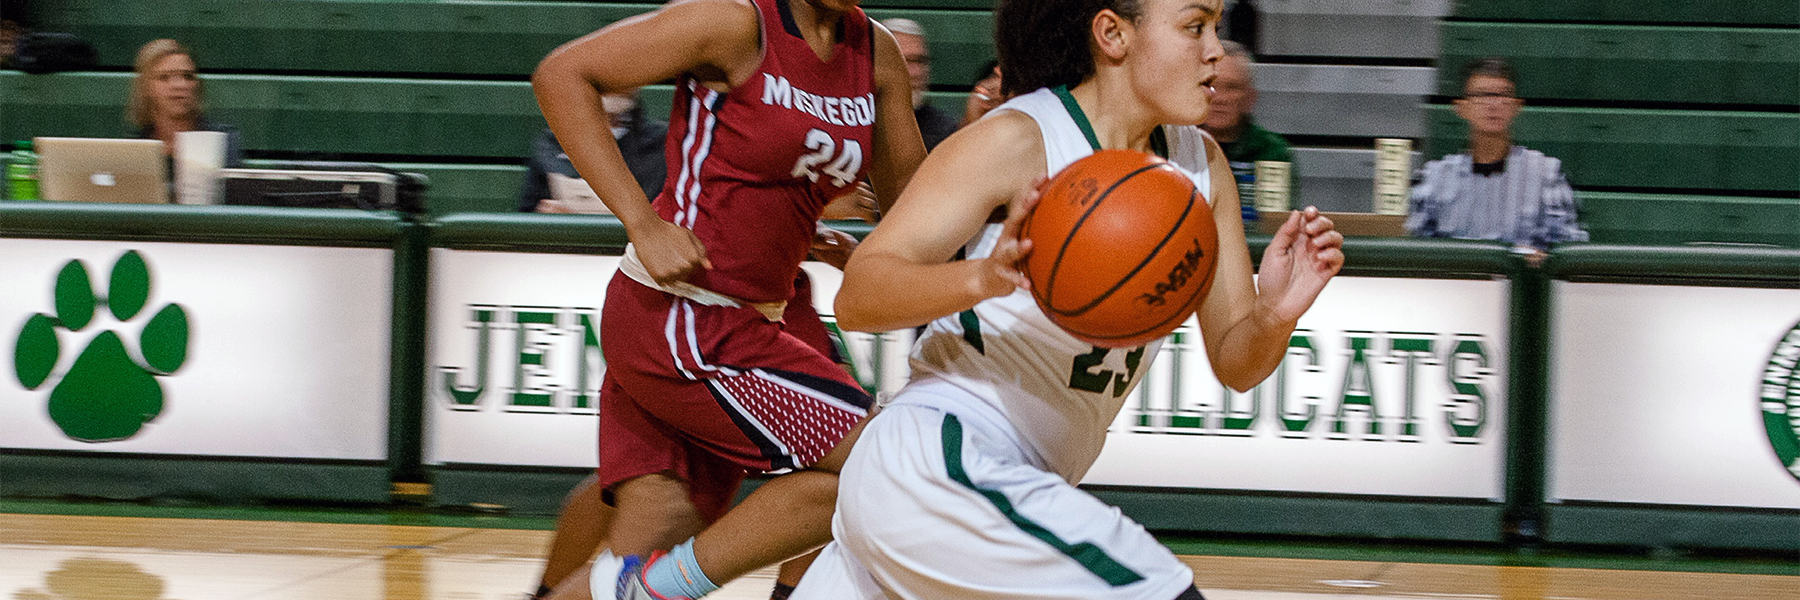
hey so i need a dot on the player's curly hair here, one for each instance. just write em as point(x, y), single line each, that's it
point(1044, 43)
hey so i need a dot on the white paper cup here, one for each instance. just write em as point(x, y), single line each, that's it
point(198, 157)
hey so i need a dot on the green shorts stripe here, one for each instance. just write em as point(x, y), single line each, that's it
point(1090, 556)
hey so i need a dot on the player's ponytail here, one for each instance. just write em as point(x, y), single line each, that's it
point(1045, 43)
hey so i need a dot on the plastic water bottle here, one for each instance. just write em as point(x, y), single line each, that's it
point(22, 172)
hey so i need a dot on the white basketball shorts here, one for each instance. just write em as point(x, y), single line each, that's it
point(934, 505)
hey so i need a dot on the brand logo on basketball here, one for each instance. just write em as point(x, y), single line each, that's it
point(1082, 193)
point(1177, 279)
point(1780, 401)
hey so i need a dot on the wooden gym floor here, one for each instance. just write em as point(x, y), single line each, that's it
point(63, 557)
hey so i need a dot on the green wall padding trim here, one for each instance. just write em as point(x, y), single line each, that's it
point(120, 476)
point(1674, 527)
point(1217, 511)
point(1662, 263)
point(170, 222)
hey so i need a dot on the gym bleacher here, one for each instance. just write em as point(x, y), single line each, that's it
point(1677, 121)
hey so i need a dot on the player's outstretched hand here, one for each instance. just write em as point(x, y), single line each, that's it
point(1000, 273)
point(670, 252)
point(832, 247)
point(1305, 254)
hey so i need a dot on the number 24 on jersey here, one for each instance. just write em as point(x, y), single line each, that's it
point(841, 167)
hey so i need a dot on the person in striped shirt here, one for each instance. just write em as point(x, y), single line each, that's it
point(1495, 190)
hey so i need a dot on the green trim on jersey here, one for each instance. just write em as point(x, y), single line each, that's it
point(1091, 557)
point(1159, 141)
point(1075, 112)
point(971, 324)
point(843, 351)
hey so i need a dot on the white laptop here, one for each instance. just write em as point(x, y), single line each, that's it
point(102, 170)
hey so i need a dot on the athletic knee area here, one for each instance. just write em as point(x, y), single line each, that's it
point(1192, 593)
point(654, 489)
point(585, 495)
point(655, 499)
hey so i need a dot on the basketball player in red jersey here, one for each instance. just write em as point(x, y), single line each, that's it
point(780, 106)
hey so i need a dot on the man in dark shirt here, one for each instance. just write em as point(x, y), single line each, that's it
point(551, 183)
point(934, 124)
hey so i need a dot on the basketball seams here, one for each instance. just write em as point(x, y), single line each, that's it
point(1186, 212)
point(1056, 265)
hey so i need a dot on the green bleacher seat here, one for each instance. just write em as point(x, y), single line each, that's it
point(1699, 150)
point(320, 115)
point(374, 36)
point(1722, 65)
point(485, 38)
point(1617, 218)
point(1731, 12)
point(298, 114)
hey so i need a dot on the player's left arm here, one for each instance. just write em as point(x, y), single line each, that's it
point(899, 148)
point(1246, 329)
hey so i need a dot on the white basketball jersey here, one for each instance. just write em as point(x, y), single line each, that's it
point(1058, 392)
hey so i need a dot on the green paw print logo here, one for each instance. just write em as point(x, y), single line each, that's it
point(111, 391)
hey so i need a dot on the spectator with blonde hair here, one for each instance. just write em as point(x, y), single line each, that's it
point(167, 98)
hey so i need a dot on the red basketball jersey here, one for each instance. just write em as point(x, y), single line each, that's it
point(750, 170)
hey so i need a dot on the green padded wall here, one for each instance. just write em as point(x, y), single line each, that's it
point(1658, 219)
point(486, 38)
point(1700, 150)
point(1658, 64)
point(1734, 12)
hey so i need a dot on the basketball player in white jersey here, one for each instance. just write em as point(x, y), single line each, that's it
point(964, 486)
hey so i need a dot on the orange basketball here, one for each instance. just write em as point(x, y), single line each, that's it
point(1123, 248)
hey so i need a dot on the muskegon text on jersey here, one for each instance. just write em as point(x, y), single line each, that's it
point(844, 112)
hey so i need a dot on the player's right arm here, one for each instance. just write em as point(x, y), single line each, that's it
point(715, 41)
point(901, 276)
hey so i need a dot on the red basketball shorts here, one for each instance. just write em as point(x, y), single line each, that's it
point(708, 393)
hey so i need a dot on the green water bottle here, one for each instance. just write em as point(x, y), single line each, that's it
point(22, 172)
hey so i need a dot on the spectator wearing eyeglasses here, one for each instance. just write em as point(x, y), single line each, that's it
point(1495, 190)
point(1230, 121)
point(934, 124)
